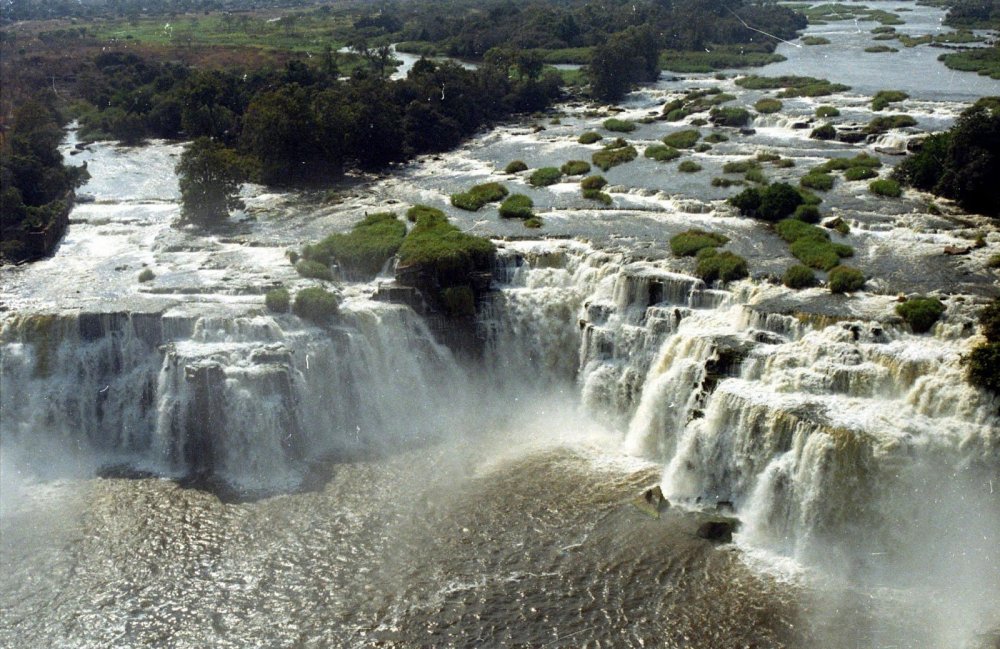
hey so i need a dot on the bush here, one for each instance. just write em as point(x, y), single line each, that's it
point(729, 116)
point(989, 320)
point(921, 313)
point(619, 125)
point(747, 201)
point(533, 223)
point(827, 111)
point(277, 300)
point(862, 160)
point(807, 213)
point(815, 253)
point(739, 166)
point(993, 262)
point(418, 212)
point(689, 167)
point(544, 177)
point(363, 251)
point(689, 243)
point(883, 98)
point(661, 152)
point(885, 187)
point(792, 230)
point(147, 275)
point(517, 206)
point(768, 105)
point(597, 195)
point(860, 173)
point(725, 182)
point(824, 132)
point(617, 143)
point(799, 276)
point(778, 201)
point(676, 115)
point(722, 265)
point(313, 269)
point(784, 163)
point(516, 166)
point(316, 304)
point(441, 247)
point(590, 137)
point(883, 124)
point(575, 168)
point(844, 279)
point(715, 138)
point(593, 182)
point(478, 196)
point(768, 156)
point(984, 367)
point(755, 175)
point(608, 158)
point(682, 139)
point(820, 181)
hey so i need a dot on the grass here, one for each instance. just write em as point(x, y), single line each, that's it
point(844, 279)
point(689, 167)
point(793, 86)
point(363, 251)
point(440, 246)
point(619, 125)
point(725, 182)
point(721, 57)
point(921, 313)
point(590, 137)
point(277, 300)
point(821, 181)
point(767, 156)
point(889, 122)
point(597, 195)
point(739, 166)
point(608, 158)
point(661, 153)
point(806, 214)
point(575, 168)
point(815, 40)
point(515, 166)
point(316, 304)
point(544, 177)
point(862, 160)
point(687, 244)
point(827, 111)
point(478, 196)
point(860, 173)
point(682, 139)
point(984, 61)
point(593, 182)
point(799, 276)
point(517, 206)
point(313, 269)
point(811, 245)
point(146, 275)
point(885, 187)
point(880, 49)
point(768, 105)
point(824, 132)
point(729, 116)
point(720, 265)
point(715, 138)
point(755, 175)
point(883, 98)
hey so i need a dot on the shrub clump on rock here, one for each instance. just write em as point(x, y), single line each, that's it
point(363, 251)
point(590, 137)
point(661, 152)
point(277, 300)
point(799, 276)
point(619, 125)
point(545, 176)
point(593, 182)
point(844, 279)
point(517, 206)
point(691, 242)
point(478, 196)
point(316, 304)
point(885, 187)
point(682, 139)
point(722, 265)
point(983, 363)
point(921, 313)
point(612, 157)
point(516, 166)
point(575, 168)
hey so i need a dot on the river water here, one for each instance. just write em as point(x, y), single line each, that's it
point(369, 488)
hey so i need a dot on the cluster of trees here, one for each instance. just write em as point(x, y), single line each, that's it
point(35, 185)
point(963, 163)
point(981, 14)
point(15, 10)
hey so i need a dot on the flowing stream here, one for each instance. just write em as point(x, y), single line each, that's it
point(266, 482)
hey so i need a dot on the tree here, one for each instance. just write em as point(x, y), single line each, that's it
point(209, 175)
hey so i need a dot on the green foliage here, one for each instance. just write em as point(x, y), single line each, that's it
point(682, 139)
point(827, 111)
point(590, 137)
point(715, 138)
point(767, 156)
point(755, 175)
point(619, 125)
point(661, 152)
point(729, 116)
point(739, 166)
point(689, 167)
point(815, 40)
point(792, 230)
point(418, 212)
point(209, 176)
point(880, 49)
point(824, 132)
point(862, 160)
point(146, 275)
point(627, 57)
point(725, 182)
point(545, 176)
point(889, 122)
point(575, 168)
point(597, 195)
point(799, 276)
point(811, 245)
point(793, 86)
point(515, 166)
point(989, 320)
point(533, 223)
point(768, 105)
point(860, 173)
point(478, 196)
point(720, 265)
point(316, 304)
point(921, 313)
point(721, 57)
point(885, 187)
point(844, 279)
point(313, 269)
point(778, 201)
point(278, 300)
point(690, 242)
point(608, 158)
point(983, 365)
point(820, 181)
point(517, 206)
point(983, 60)
point(363, 251)
point(443, 249)
point(883, 98)
point(993, 262)
point(593, 182)
point(807, 213)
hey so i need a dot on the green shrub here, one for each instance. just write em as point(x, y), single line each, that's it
point(682, 139)
point(747, 201)
point(418, 212)
point(544, 177)
point(715, 138)
point(755, 175)
point(844, 279)
point(824, 132)
point(313, 269)
point(883, 124)
point(885, 187)
point(722, 265)
point(677, 115)
point(608, 158)
point(689, 243)
point(880, 49)
point(993, 262)
point(739, 166)
point(768, 105)
point(792, 230)
point(725, 182)
point(516, 166)
point(778, 201)
point(827, 111)
point(146, 275)
point(815, 253)
point(597, 195)
point(784, 163)
point(883, 98)
point(807, 213)
point(593, 182)
point(799, 276)
point(478, 196)
point(860, 173)
point(619, 125)
point(590, 137)
point(316, 304)
point(984, 367)
point(441, 247)
point(862, 160)
point(702, 148)
point(517, 206)
point(989, 320)
point(661, 152)
point(277, 300)
point(767, 156)
point(729, 116)
point(459, 301)
point(617, 143)
point(820, 181)
point(697, 121)
point(815, 40)
point(671, 106)
point(533, 223)
point(363, 251)
point(689, 167)
point(921, 313)
point(575, 168)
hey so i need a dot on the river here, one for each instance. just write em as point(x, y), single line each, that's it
point(371, 488)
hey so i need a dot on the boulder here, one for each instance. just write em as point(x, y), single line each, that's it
point(652, 501)
point(718, 530)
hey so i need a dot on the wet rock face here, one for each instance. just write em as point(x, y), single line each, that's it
point(719, 530)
